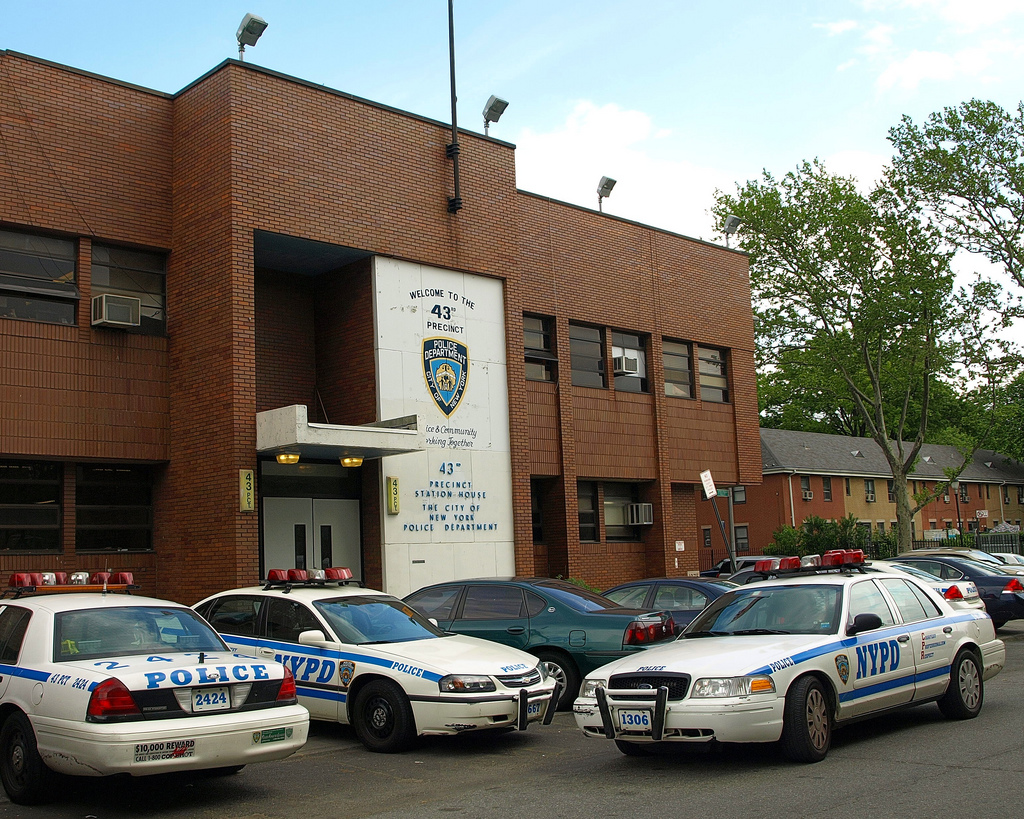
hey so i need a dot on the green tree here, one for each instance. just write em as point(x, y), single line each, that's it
point(858, 291)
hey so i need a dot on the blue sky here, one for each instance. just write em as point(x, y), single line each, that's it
point(672, 99)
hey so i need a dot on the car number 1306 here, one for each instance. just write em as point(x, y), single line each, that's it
point(210, 699)
point(635, 720)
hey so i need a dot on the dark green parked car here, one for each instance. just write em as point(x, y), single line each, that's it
point(571, 630)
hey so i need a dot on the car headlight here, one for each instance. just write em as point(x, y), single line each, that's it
point(462, 683)
point(589, 688)
point(733, 686)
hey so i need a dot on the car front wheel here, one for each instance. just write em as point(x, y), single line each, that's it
point(382, 717)
point(563, 670)
point(807, 724)
point(966, 691)
point(24, 775)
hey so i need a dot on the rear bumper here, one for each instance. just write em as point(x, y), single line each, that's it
point(162, 746)
point(993, 658)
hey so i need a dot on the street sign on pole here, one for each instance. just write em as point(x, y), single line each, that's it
point(709, 484)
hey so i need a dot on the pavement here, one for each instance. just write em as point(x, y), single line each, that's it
point(1013, 630)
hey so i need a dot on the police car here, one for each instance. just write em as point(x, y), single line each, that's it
point(365, 658)
point(793, 657)
point(96, 683)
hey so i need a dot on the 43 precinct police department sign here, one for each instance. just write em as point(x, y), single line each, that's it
point(446, 370)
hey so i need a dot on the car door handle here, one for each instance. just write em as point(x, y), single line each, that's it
point(265, 652)
point(947, 630)
point(515, 630)
point(904, 638)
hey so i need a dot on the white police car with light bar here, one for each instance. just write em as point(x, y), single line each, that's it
point(366, 658)
point(794, 656)
point(98, 683)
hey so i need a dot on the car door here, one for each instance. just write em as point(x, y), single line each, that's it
point(932, 641)
point(882, 664)
point(494, 611)
point(13, 624)
point(315, 669)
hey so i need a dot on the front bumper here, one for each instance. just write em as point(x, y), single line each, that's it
point(755, 718)
point(455, 715)
point(162, 746)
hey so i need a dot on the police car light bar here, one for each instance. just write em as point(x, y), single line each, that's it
point(338, 575)
point(835, 559)
point(21, 583)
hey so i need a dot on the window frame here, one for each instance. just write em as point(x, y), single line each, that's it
point(128, 265)
point(39, 294)
point(623, 343)
point(713, 370)
point(670, 357)
point(587, 356)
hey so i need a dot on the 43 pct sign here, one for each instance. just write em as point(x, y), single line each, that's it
point(446, 370)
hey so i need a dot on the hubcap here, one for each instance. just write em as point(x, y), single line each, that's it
point(557, 672)
point(380, 717)
point(970, 689)
point(817, 719)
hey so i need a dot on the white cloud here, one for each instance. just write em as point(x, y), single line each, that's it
point(838, 27)
point(918, 66)
point(594, 141)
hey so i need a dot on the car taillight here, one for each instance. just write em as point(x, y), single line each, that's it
point(641, 633)
point(953, 593)
point(112, 699)
point(1014, 586)
point(287, 692)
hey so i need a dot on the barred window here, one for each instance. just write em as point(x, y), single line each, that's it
point(114, 508)
point(30, 506)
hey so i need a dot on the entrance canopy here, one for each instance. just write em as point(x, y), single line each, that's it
point(287, 430)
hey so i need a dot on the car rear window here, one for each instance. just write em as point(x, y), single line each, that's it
point(122, 632)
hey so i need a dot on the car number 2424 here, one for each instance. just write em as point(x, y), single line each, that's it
point(210, 699)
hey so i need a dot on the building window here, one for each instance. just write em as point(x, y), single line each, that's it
point(706, 536)
point(826, 488)
point(30, 506)
point(805, 486)
point(678, 364)
point(538, 343)
point(617, 498)
point(847, 487)
point(586, 498)
point(869, 490)
point(1020, 494)
point(965, 493)
point(114, 508)
point(740, 539)
point(37, 278)
point(586, 346)
point(137, 274)
point(891, 489)
point(629, 362)
point(537, 510)
point(739, 494)
point(1006, 493)
point(714, 386)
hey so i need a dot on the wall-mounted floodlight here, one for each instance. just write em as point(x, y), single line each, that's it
point(604, 188)
point(732, 224)
point(493, 110)
point(249, 32)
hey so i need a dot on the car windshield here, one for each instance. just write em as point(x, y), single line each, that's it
point(375, 619)
point(577, 598)
point(122, 632)
point(803, 609)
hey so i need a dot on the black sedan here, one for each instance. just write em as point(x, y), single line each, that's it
point(572, 630)
point(682, 597)
point(1002, 593)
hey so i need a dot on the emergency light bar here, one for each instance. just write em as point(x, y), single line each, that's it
point(338, 575)
point(835, 559)
point(21, 583)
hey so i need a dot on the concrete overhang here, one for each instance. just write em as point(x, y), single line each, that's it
point(287, 429)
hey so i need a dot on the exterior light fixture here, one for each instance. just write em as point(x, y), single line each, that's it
point(287, 457)
point(732, 224)
point(352, 460)
point(250, 30)
point(604, 188)
point(493, 110)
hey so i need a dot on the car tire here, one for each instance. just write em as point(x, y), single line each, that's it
point(25, 776)
point(998, 624)
point(383, 718)
point(807, 721)
point(966, 692)
point(563, 669)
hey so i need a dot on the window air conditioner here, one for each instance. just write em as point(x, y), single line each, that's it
point(641, 514)
point(624, 365)
point(109, 310)
point(945, 498)
point(869, 497)
point(808, 494)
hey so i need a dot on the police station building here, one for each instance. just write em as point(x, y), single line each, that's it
point(243, 328)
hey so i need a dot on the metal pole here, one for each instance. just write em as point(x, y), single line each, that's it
point(452, 151)
point(728, 542)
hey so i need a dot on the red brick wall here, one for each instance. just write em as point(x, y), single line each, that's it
point(285, 346)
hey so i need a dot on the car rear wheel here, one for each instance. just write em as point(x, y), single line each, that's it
point(24, 775)
point(966, 692)
point(564, 671)
point(382, 717)
point(807, 723)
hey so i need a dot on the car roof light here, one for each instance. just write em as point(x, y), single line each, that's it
point(338, 573)
point(277, 575)
point(297, 574)
point(789, 563)
point(810, 561)
point(122, 577)
point(79, 578)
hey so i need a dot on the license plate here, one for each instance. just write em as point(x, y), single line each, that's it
point(533, 708)
point(634, 720)
point(211, 699)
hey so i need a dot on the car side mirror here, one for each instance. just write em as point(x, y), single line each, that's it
point(312, 638)
point(868, 621)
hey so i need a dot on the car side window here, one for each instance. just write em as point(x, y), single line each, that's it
point(866, 598)
point(679, 598)
point(236, 614)
point(631, 598)
point(493, 603)
point(13, 623)
point(535, 604)
point(438, 603)
point(914, 606)
point(286, 620)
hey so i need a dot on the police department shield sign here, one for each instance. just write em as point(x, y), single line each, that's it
point(446, 369)
point(843, 667)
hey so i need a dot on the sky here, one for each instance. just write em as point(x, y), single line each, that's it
point(672, 98)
